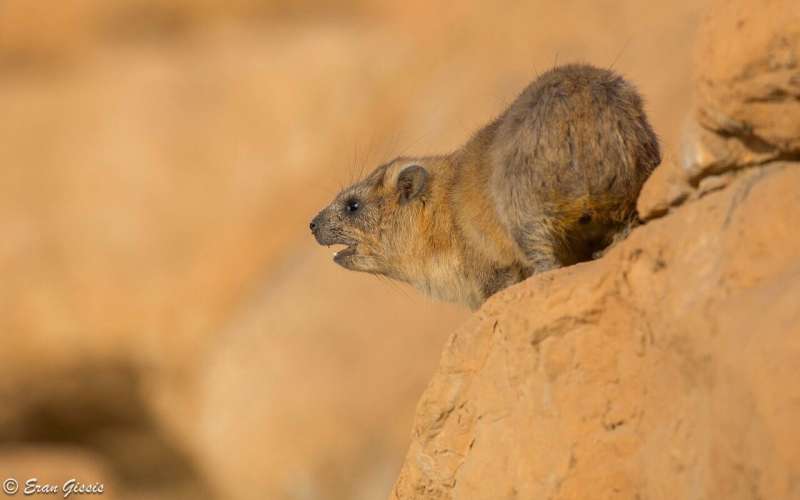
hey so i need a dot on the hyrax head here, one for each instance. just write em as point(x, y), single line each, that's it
point(377, 219)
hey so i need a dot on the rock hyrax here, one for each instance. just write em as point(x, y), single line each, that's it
point(548, 183)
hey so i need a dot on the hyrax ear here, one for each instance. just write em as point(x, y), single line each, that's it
point(411, 182)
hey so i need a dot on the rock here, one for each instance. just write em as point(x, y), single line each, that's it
point(664, 189)
point(746, 108)
point(747, 84)
point(667, 369)
point(707, 152)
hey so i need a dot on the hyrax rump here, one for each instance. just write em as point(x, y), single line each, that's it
point(548, 183)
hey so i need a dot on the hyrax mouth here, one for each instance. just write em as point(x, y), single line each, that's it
point(347, 252)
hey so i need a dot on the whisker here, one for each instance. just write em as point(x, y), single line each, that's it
point(393, 285)
point(619, 54)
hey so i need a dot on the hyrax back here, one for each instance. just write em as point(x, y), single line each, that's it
point(567, 162)
point(548, 183)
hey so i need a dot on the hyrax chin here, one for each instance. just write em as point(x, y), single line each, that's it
point(548, 183)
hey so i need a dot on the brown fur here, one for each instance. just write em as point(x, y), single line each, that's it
point(549, 183)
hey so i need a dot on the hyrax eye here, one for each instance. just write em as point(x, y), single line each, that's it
point(352, 206)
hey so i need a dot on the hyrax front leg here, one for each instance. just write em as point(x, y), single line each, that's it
point(529, 226)
point(539, 247)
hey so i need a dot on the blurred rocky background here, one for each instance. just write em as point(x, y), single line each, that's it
point(169, 327)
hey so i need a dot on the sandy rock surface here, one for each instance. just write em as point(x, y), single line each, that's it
point(747, 88)
point(665, 370)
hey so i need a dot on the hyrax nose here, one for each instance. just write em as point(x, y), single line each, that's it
point(314, 224)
